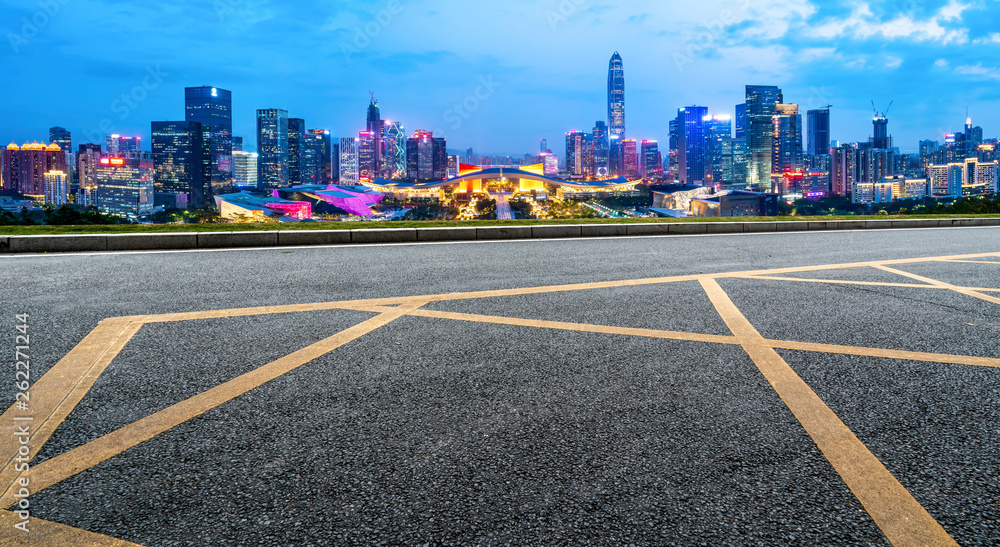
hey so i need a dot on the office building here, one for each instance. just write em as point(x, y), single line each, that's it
point(311, 166)
point(616, 167)
point(761, 106)
point(328, 156)
point(296, 142)
point(881, 140)
point(394, 156)
point(691, 140)
point(741, 121)
point(787, 139)
point(348, 160)
point(630, 159)
point(718, 129)
point(118, 144)
point(272, 148)
point(125, 185)
point(88, 157)
point(843, 170)
point(237, 144)
point(372, 163)
point(179, 161)
point(212, 107)
point(367, 156)
point(652, 161)
point(818, 121)
point(616, 97)
point(601, 150)
point(575, 153)
point(426, 157)
point(245, 169)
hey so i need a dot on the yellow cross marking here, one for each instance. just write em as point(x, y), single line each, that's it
point(903, 520)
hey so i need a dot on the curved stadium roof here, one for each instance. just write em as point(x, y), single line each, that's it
point(502, 172)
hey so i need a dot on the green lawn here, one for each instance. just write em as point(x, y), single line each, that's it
point(168, 228)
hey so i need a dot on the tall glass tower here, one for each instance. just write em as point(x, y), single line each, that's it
point(394, 157)
point(178, 160)
point(762, 104)
point(296, 148)
point(616, 97)
point(819, 131)
point(212, 107)
point(601, 150)
point(272, 148)
point(376, 128)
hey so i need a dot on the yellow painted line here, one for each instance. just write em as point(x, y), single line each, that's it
point(839, 282)
point(355, 304)
point(887, 353)
point(42, 533)
point(943, 285)
point(972, 261)
point(84, 457)
point(902, 519)
point(58, 392)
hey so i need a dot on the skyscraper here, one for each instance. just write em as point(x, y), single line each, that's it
point(212, 107)
point(348, 160)
point(652, 165)
point(24, 167)
point(312, 158)
point(741, 121)
point(819, 131)
point(272, 148)
point(64, 139)
point(575, 151)
point(88, 157)
point(296, 141)
point(125, 185)
point(616, 97)
point(375, 127)
point(600, 143)
point(118, 144)
point(426, 157)
point(57, 188)
point(616, 167)
point(328, 172)
point(691, 141)
point(630, 159)
point(244, 169)
point(179, 161)
point(787, 139)
point(718, 129)
point(237, 146)
point(881, 140)
point(367, 156)
point(394, 144)
point(761, 106)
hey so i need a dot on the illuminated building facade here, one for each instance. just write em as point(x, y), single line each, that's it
point(787, 139)
point(718, 129)
point(57, 188)
point(576, 150)
point(245, 169)
point(376, 128)
point(426, 157)
point(125, 185)
point(818, 121)
point(616, 97)
point(652, 162)
point(313, 147)
point(367, 156)
point(394, 158)
point(616, 167)
point(296, 145)
point(62, 137)
point(761, 106)
point(88, 157)
point(691, 144)
point(630, 158)
point(843, 170)
point(272, 148)
point(600, 144)
point(348, 160)
point(179, 161)
point(118, 144)
point(212, 107)
point(24, 167)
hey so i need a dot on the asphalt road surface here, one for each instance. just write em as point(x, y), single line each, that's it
point(833, 388)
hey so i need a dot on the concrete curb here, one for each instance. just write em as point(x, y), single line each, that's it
point(227, 240)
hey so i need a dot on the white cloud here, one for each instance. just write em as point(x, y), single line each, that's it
point(993, 38)
point(863, 24)
point(893, 62)
point(941, 63)
point(991, 73)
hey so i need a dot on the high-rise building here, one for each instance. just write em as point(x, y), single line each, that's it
point(630, 159)
point(24, 167)
point(599, 139)
point(296, 141)
point(718, 128)
point(237, 145)
point(272, 148)
point(843, 170)
point(57, 188)
point(426, 157)
point(125, 185)
point(691, 141)
point(375, 127)
point(652, 163)
point(741, 121)
point(88, 157)
point(616, 97)
point(179, 161)
point(244, 169)
point(575, 152)
point(367, 156)
point(349, 171)
point(329, 173)
point(616, 166)
point(394, 158)
point(543, 146)
point(819, 131)
point(212, 107)
point(787, 139)
point(118, 144)
point(64, 139)
point(761, 106)
point(312, 158)
point(881, 140)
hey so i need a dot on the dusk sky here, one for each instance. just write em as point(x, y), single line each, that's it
point(546, 63)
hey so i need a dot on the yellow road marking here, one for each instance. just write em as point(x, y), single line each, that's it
point(43, 533)
point(942, 284)
point(84, 457)
point(902, 519)
point(838, 282)
point(972, 261)
point(58, 392)
point(942, 358)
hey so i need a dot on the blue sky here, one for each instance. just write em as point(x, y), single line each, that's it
point(539, 68)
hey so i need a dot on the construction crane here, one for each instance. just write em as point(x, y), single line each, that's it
point(883, 114)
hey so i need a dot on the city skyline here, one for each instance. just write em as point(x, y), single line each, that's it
point(518, 98)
